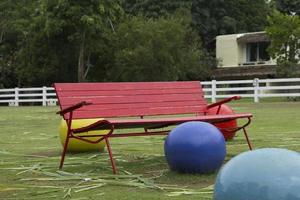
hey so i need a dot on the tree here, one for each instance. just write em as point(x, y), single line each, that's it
point(157, 50)
point(284, 32)
point(288, 6)
point(215, 17)
point(46, 41)
point(83, 23)
point(154, 8)
point(14, 28)
point(53, 40)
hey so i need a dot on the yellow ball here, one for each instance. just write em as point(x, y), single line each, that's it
point(76, 145)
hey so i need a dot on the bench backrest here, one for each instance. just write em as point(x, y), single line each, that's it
point(132, 99)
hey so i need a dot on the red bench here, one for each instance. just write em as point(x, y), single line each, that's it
point(147, 105)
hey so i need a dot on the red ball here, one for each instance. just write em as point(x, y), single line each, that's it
point(232, 124)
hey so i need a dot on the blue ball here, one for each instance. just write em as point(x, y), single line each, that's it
point(263, 174)
point(195, 147)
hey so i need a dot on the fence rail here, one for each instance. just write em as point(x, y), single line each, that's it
point(256, 89)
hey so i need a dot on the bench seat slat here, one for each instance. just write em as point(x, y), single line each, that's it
point(207, 118)
point(140, 105)
point(132, 99)
point(158, 91)
point(126, 86)
point(154, 122)
point(136, 112)
point(102, 105)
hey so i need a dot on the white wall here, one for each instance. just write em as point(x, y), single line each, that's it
point(231, 53)
point(227, 50)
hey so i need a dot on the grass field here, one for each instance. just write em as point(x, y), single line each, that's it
point(30, 153)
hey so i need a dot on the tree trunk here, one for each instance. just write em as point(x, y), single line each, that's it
point(88, 65)
point(80, 67)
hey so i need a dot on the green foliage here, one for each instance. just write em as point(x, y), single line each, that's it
point(216, 17)
point(161, 49)
point(9, 44)
point(288, 6)
point(284, 31)
point(83, 23)
point(46, 41)
point(154, 8)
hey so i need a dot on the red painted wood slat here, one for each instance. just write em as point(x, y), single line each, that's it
point(137, 112)
point(126, 85)
point(158, 91)
point(208, 118)
point(163, 121)
point(132, 99)
point(141, 105)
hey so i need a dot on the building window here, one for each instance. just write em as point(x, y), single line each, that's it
point(257, 52)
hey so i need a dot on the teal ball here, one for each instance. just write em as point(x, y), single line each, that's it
point(263, 174)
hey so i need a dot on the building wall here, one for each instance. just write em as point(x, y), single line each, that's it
point(233, 54)
point(227, 50)
point(242, 53)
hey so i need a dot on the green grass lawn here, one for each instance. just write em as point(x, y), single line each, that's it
point(30, 154)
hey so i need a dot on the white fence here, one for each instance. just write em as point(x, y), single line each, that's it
point(16, 96)
point(256, 89)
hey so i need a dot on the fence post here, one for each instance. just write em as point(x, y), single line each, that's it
point(44, 96)
point(213, 91)
point(16, 96)
point(256, 90)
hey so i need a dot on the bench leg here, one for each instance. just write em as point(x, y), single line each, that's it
point(64, 152)
point(113, 164)
point(247, 138)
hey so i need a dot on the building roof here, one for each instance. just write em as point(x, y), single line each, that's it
point(242, 72)
point(253, 37)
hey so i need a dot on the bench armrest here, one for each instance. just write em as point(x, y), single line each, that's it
point(73, 107)
point(223, 101)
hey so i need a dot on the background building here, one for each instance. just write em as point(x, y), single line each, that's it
point(244, 56)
